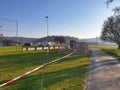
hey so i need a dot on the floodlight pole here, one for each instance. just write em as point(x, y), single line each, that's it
point(47, 24)
point(17, 35)
point(42, 82)
point(47, 31)
point(16, 29)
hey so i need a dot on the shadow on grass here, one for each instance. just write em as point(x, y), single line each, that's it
point(113, 52)
point(33, 82)
point(73, 57)
point(32, 57)
point(103, 60)
point(51, 78)
point(16, 64)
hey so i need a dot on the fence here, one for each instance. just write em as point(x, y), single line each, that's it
point(35, 48)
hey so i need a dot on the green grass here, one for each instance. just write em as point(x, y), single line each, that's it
point(67, 74)
point(103, 46)
point(9, 49)
point(111, 50)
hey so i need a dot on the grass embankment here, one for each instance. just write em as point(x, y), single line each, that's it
point(102, 46)
point(67, 74)
point(111, 50)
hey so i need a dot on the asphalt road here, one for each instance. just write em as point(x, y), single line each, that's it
point(104, 72)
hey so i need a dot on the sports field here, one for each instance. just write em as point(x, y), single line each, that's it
point(67, 74)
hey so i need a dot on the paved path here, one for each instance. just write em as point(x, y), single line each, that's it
point(104, 73)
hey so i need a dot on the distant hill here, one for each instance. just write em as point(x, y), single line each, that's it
point(37, 40)
point(21, 39)
point(51, 39)
point(96, 41)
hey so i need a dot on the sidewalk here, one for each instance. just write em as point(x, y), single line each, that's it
point(104, 72)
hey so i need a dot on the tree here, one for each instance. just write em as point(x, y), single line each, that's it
point(60, 39)
point(111, 27)
point(1, 37)
point(116, 9)
point(109, 1)
point(111, 30)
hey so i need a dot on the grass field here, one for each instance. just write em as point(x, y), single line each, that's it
point(111, 50)
point(103, 46)
point(4, 50)
point(67, 74)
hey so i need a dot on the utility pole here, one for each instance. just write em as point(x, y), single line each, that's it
point(47, 24)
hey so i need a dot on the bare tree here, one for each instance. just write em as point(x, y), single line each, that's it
point(109, 1)
point(111, 30)
point(116, 9)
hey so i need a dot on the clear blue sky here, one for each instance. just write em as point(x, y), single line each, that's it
point(78, 18)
